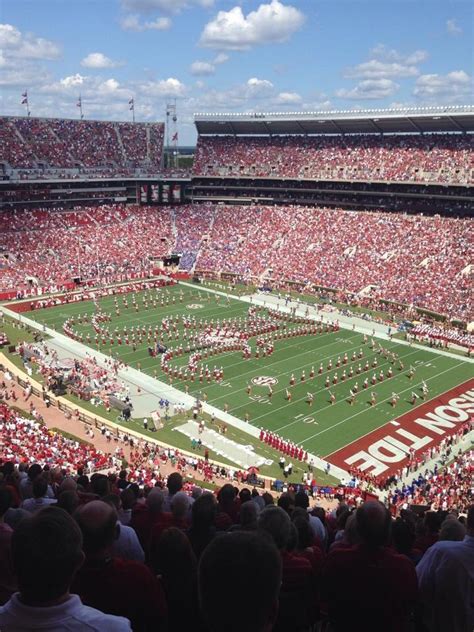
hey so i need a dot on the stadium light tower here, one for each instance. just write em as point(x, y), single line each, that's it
point(171, 112)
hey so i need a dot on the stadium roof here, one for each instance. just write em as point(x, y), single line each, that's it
point(405, 120)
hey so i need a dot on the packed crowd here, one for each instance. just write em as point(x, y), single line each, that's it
point(97, 552)
point(444, 487)
point(112, 242)
point(65, 143)
point(28, 441)
point(416, 260)
point(411, 259)
point(427, 158)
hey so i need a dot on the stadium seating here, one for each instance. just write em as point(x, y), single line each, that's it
point(406, 258)
point(27, 143)
point(403, 158)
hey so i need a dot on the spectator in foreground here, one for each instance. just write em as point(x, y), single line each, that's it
point(370, 582)
point(446, 580)
point(146, 515)
point(47, 552)
point(172, 558)
point(232, 565)
point(451, 529)
point(115, 585)
point(298, 594)
point(7, 573)
point(40, 496)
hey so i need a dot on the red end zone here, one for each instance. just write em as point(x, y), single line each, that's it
point(390, 447)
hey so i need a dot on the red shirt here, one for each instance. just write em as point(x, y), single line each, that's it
point(375, 586)
point(124, 588)
point(143, 521)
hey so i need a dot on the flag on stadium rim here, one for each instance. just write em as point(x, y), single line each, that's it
point(79, 102)
point(24, 97)
point(131, 103)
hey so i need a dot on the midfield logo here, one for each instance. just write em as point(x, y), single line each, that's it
point(264, 380)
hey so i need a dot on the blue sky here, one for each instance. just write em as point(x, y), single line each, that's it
point(226, 55)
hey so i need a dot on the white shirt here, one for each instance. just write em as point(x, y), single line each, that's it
point(317, 528)
point(446, 582)
point(70, 616)
point(128, 546)
point(35, 504)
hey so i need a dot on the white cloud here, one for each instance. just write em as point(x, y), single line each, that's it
point(450, 88)
point(202, 68)
point(170, 87)
point(99, 60)
point(26, 76)
point(72, 81)
point(220, 58)
point(165, 6)
point(376, 69)
point(20, 45)
point(390, 54)
point(288, 98)
point(269, 23)
point(258, 88)
point(453, 28)
point(387, 63)
point(370, 89)
point(207, 68)
point(133, 23)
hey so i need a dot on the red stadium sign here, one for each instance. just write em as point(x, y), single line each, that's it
point(390, 447)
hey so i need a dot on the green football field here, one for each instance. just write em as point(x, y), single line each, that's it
point(322, 427)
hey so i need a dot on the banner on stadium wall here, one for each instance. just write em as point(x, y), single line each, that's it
point(176, 195)
point(144, 193)
point(165, 193)
point(155, 193)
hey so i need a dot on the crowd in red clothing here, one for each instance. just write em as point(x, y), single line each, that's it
point(28, 441)
point(169, 560)
point(416, 260)
point(111, 243)
point(427, 158)
point(26, 143)
point(411, 259)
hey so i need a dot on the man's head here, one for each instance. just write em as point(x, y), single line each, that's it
point(68, 484)
point(234, 564)
point(226, 494)
point(5, 500)
point(98, 523)
point(100, 484)
point(154, 500)
point(128, 498)
point(34, 471)
point(470, 521)
point(302, 500)
point(275, 522)
point(451, 529)
point(40, 487)
point(248, 516)
point(69, 501)
point(203, 512)
point(287, 502)
point(174, 483)
point(373, 524)
point(47, 552)
point(180, 505)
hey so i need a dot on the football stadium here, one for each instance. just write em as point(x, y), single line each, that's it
point(240, 370)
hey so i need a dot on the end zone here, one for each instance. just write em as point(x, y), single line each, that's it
point(393, 445)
